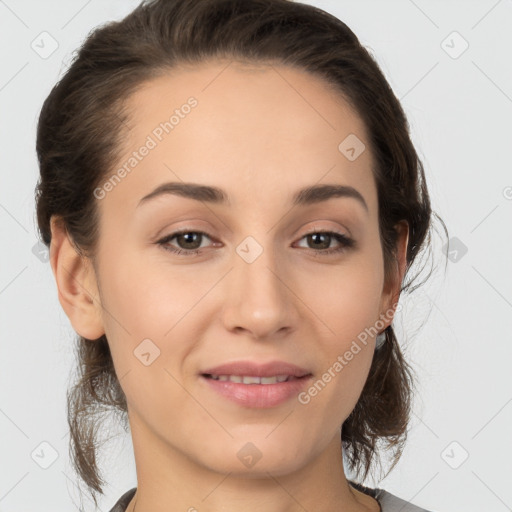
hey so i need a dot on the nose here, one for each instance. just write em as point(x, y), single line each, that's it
point(258, 299)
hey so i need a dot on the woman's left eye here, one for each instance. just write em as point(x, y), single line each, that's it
point(190, 242)
point(320, 238)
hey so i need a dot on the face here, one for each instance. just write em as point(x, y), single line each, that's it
point(262, 276)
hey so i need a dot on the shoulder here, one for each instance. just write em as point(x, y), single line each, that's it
point(123, 501)
point(389, 502)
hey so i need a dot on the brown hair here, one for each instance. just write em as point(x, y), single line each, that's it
point(79, 139)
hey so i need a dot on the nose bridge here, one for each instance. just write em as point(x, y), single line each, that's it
point(259, 301)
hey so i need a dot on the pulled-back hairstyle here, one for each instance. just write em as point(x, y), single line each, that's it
point(80, 136)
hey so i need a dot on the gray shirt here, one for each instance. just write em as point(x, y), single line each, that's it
point(387, 501)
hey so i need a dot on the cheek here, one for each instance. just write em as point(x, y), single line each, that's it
point(347, 302)
point(334, 392)
point(151, 309)
point(145, 300)
point(346, 298)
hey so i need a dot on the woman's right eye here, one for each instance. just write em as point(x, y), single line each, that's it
point(187, 237)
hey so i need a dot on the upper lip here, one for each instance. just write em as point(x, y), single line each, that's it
point(251, 368)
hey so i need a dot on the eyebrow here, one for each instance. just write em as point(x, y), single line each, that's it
point(209, 194)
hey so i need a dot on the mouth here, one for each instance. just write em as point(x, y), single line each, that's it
point(254, 385)
point(251, 370)
point(252, 379)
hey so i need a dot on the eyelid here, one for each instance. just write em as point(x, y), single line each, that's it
point(186, 229)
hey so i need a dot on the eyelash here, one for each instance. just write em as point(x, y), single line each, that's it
point(345, 241)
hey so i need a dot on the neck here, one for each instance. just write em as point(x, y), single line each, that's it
point(170, 481)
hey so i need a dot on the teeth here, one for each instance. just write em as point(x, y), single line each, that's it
point(249, 379)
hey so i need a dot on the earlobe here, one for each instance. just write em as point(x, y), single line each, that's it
point(76, 284)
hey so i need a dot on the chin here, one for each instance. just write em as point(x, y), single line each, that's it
point(256, 458)
point(259, 470)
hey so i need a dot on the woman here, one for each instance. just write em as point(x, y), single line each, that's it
point(232, 202)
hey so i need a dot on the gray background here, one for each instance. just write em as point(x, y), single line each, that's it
point(459, 104)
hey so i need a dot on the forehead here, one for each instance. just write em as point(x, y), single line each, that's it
point(244, 127)
point(237, 91)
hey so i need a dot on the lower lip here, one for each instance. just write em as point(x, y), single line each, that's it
point(258, 395)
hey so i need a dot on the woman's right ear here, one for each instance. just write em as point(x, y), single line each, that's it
point(76, 283)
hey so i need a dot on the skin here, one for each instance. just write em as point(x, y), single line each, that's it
point(260, 133)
